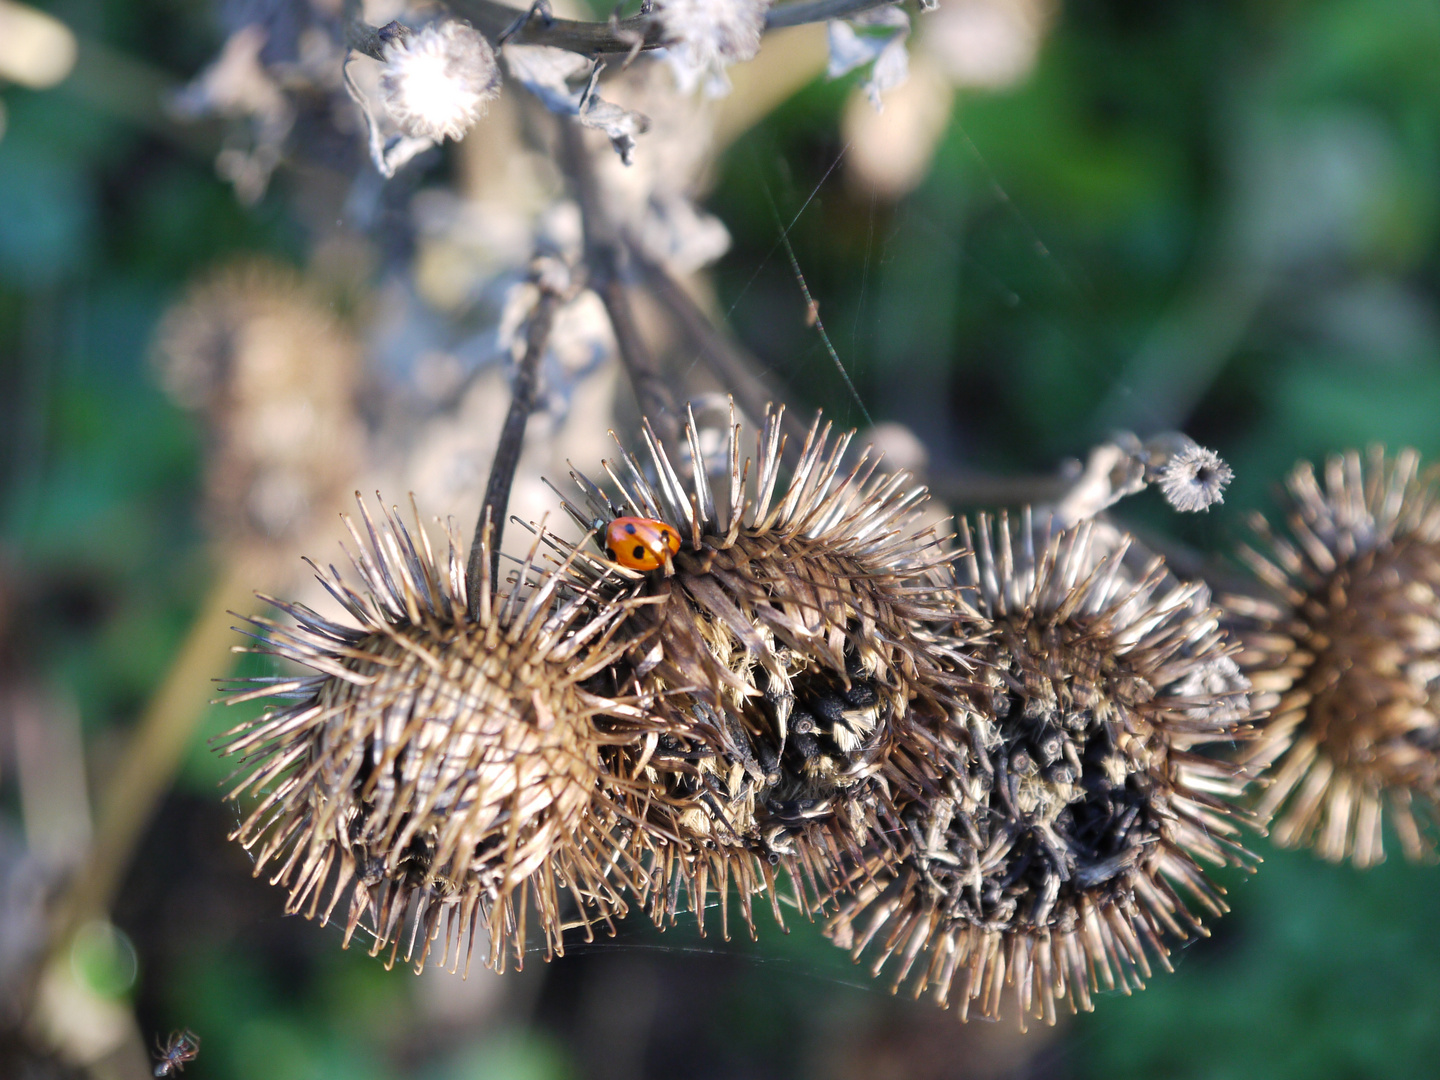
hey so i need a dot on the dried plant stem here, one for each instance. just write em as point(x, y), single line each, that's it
point(156, 748)
point(622, 35)
point(816, 11)
point(728, 361)
point(523, 396)
point(603, 254)
point(367, 39)
point(656, 401)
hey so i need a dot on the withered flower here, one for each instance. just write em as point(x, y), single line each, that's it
point(437, 80)
point(779, 643)
point(440, 766)
point(1194, 479)
point(1062, 846)
point(1346, 659)
point(260, 355)
point(703, 36)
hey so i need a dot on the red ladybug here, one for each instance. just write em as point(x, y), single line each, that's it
point(640, 543)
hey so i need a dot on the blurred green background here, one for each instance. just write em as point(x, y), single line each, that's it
point(1221, 216)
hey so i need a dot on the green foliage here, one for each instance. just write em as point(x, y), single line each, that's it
point(1319, 972)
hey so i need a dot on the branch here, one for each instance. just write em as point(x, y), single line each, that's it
point(730, 364)
point(367, 39)
point(813, 11)
point(603, 253)
point(591, 38)
point(621, 35)
point(523, 395)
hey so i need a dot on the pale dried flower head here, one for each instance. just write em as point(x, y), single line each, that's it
point(1194, 479)
point(437, 80)
point(704, 36)
point(1189, 476)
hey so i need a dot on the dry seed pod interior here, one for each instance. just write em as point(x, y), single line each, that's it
point(1347, 655)
point(781, 639)
point(1065, 842)
point(440, 767)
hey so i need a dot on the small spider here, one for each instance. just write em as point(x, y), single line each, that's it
point(640, 543)
point(181, 1047)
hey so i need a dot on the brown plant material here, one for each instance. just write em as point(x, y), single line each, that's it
point(1345, 656)
point(1063, 844)
point(440, 768)
point(260, 355)
point(779, 643)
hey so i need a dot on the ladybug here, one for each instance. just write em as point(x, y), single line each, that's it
point(640, 543)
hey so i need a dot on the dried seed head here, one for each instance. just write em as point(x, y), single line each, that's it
point(702, 37)
point(1190, 477)
point(1347, 655)
point(1194, 479)
point(438, 80)
point(442, 768)
point(273, 372)
point(1065, 837)
point(779, 640)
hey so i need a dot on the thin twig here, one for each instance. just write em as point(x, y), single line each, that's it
point(603, 254)
point(591, 38)
point(728, 361)
point(814, 11)
point(523, 396)
point(620, 36)
point(367, 39)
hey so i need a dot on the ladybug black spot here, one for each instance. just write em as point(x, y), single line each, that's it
point(639, 552)
point(610, 551)
point(630, 529)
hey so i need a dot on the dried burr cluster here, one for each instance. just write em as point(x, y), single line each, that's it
point(258, 352)
point(1073, 803)
point(780, 650)
point(442, 766)
point(996, 763)
point(1344, 654)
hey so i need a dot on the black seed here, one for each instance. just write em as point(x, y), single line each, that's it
point(860, 695)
